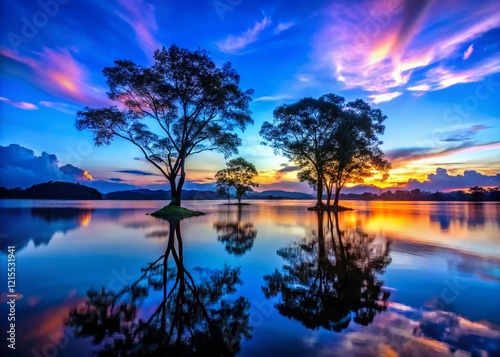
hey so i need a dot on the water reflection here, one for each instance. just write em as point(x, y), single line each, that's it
point(331, 278)
point(38, 224)
point(237, 236)
point(167, 310)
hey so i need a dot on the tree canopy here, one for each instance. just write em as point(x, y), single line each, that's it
point(239, 176)
point(181, 105)
point(334, 142)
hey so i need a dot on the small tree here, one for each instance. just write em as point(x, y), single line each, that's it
point(180, 106)
point(477, 193)
point(238, 175)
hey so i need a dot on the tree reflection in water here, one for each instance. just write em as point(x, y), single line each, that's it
point(331, 278)
point(238, 237)
point(192, 318)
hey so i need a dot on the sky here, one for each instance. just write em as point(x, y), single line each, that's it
point(432, 67)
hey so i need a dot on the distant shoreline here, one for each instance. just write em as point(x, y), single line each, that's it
point(71, 191)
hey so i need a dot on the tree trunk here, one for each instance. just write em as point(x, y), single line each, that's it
point(337, 194)
point(175, 199)
point(319, 191)
point(176, 190)
point(328, 194)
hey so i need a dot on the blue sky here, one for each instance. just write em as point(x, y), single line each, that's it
point(433, 67)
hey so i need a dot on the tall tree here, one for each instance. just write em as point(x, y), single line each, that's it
point(332, 141)
point(238, 175)
point(180, 106)
point(304, 132)
point(358, 151)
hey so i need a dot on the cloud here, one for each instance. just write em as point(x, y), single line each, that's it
point(20, 105)
point(441, 181)
point(396, 46)
point(76, 173)
point(141, 17)
point(384, 97)
point(60, 74)
point(116, 179)
point(272, 98)
point(20, 167)
point(137, 172)
point(461, 134)
point(233, 44)
point(402, 156)
point(468, 52)
point(289, 168)
point(61, 107)
point(283, 26)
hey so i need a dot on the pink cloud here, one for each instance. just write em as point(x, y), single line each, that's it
point(60, 74)
point(378, 45)
point(468, 52)
point(233, 44)
point(20, 105)
point(141, 17)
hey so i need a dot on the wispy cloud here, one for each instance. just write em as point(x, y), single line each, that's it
point(137, 172)
point(141, 17)
point(272, 98)
point(468, 52)
point(401, 157)
point(20, 105)
point(383, 47)
point(61, 107)
point(58, 73)
point(283, 26)
point(384, 97)
point(233, 44)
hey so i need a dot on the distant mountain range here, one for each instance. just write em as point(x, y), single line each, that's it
point(146, 194)
point(72, 191)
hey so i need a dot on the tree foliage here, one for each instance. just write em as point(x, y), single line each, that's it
point(239, 175)
point(180, 106)
point(334, 142)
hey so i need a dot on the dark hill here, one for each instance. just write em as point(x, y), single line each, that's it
point(53, 191)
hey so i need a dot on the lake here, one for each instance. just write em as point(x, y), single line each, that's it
point(267, 279)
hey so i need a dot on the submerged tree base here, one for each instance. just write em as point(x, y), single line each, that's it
point(326, 208)
point(176, 212)
point(236, 204)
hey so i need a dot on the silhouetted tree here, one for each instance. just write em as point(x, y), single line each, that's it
point(332, 141)
point(238, 236)
point(477, 193)
point(192, 104)
point(192, 319)
point(238, 175)
point(326, 283)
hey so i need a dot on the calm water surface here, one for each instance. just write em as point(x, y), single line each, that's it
point(386, 279)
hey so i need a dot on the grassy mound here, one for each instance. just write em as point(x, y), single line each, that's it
point(176, 212)
point(326, 208)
